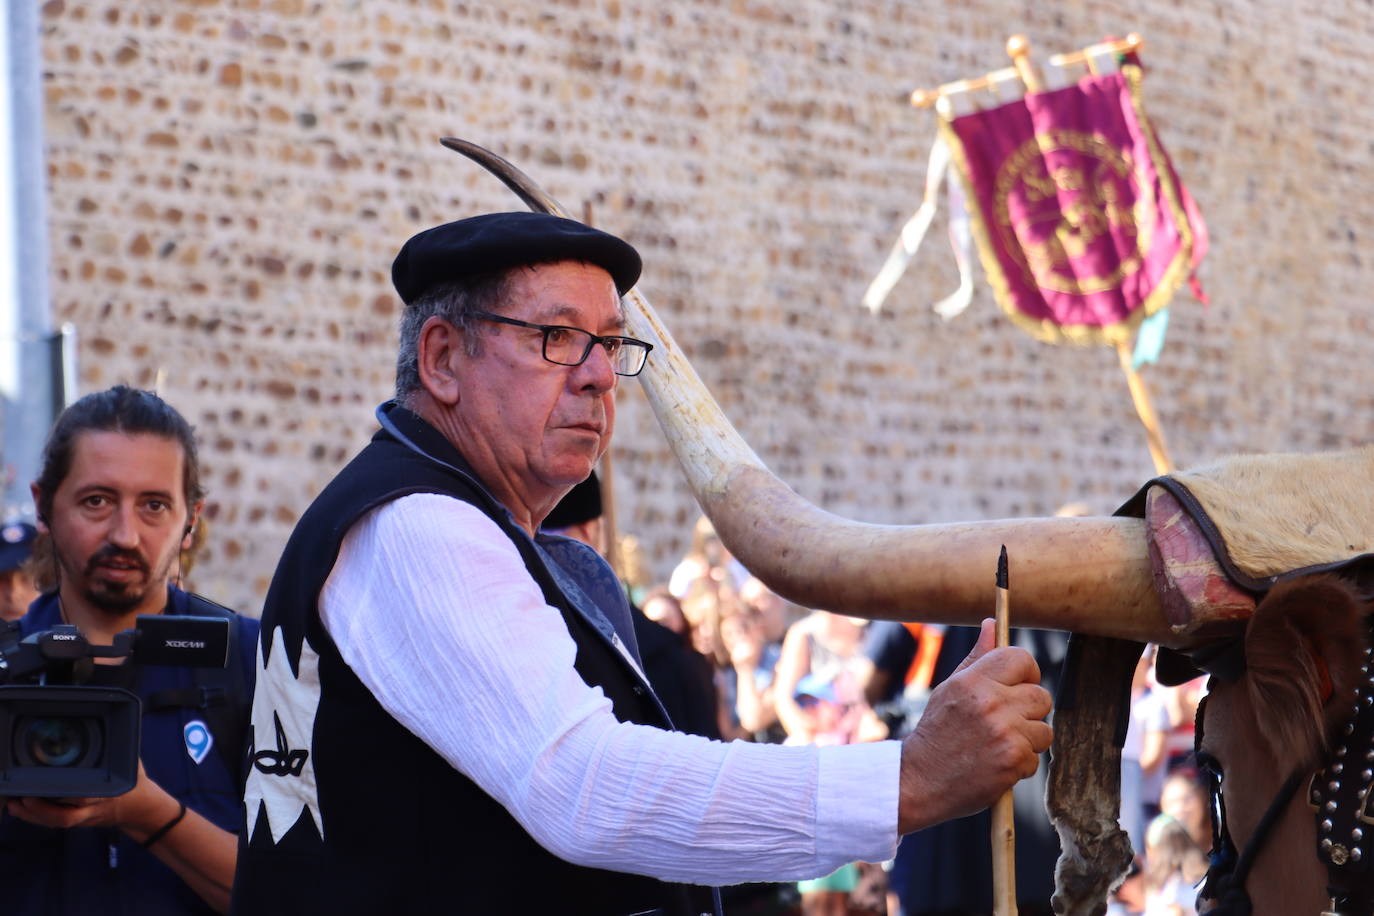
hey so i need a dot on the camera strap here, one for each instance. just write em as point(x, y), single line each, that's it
point(199, 697)
point(220, 694)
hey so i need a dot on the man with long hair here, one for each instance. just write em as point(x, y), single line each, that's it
point(118, 497)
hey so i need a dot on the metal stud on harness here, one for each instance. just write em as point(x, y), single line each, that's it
point(1340, 798)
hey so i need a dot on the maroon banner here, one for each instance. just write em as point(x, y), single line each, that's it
point(1082, 225)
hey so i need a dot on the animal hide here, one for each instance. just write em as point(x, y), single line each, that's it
point(1083, 794)
point(1271, 517)
point(1285, 515)
point(1221, 535)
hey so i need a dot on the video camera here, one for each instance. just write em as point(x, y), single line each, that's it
point(60, 739)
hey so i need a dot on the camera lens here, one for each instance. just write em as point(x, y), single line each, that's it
point(60, 741)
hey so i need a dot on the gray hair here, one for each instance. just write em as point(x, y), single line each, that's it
point(457, 304)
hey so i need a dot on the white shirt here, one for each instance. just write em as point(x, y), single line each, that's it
point(431, 606)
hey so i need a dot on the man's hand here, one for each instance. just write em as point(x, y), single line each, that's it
point(65, 812)
point(138, 812)
point(982, 731)
point(202, 854)
point(747, 649)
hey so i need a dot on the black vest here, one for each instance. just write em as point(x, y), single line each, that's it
point(404, 831)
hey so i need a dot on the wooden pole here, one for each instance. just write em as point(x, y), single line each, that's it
point(1130, 45)
point(1003, 812)
point(1144, 408)
point(1018, 48)
point(610, 533)
point(609, 530)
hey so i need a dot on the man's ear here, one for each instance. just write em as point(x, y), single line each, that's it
point(438, 350)
point(188, 536)
point(40, 522)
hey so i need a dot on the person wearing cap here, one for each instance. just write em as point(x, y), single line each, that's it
point(451, 713)
point(17, 590)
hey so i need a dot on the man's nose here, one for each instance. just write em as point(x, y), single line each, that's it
point(124, 527)
point(596, 373)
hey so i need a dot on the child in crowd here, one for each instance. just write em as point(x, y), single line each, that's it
point(1173, 867)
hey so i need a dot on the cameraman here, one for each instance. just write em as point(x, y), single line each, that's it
point(118, 497)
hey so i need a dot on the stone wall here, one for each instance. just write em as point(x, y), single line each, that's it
point(229, 181)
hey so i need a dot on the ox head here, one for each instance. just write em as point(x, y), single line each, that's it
point(1303, 651)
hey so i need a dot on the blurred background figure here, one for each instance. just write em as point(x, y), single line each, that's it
point(664, 609)
point(1173, 866)
point(1181, 701)
point(1143, 753)
point(1185, 799)
point(827, 647)
point(899, 665)
point(17, 588)
point(746, 682)
point(834, 711)
point(772, 612)
point(680, 676)
point(707, 558)
point(819, 699)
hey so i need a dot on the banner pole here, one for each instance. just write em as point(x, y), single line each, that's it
point(1144, 408)
point(1018, 49)
point(609, 533)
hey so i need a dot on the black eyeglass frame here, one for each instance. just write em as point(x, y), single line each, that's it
point(592, 340)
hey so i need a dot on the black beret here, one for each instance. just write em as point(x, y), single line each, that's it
point(581, 504)
point(500, 241)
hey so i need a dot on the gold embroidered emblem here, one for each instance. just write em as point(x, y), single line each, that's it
point(1057, 196)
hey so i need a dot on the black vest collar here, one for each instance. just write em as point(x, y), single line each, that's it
point(403, 425)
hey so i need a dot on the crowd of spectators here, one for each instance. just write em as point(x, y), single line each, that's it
point(770, 671)
point(1165, 808)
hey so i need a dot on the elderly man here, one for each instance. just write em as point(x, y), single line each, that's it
point(118, 496)
point(451, 714)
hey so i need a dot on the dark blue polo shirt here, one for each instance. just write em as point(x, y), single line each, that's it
point(96, 870)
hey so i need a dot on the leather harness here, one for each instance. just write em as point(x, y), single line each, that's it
point(1339, 794)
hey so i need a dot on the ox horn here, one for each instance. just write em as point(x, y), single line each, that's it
point(1086, 575)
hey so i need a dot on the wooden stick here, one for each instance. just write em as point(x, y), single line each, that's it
point(1131, 44)
point(1144, 408)
point(1018, 49)
point(609, 530)
point(926, 98)
point(1003, 813)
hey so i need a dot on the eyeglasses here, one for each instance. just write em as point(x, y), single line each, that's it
point(571, 346)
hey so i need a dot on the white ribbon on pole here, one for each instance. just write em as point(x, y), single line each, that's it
point(961, 240)
point(913, 232)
